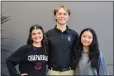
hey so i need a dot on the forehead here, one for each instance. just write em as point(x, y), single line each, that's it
point(87, 33)
point(36, 30)
point(62, 10)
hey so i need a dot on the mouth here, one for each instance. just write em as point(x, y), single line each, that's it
point(37, 38)
point(86, 42)
point(62, 19)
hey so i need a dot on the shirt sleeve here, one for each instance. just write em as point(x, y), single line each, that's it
point(13, 60)
point(74, 50)
point(102, 65)
point(48, 45)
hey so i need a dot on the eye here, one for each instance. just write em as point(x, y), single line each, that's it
point(33, 33)
point(59, 13)
point(39, 32)
point(65, 14)
point(90, 37)
point(84, 36)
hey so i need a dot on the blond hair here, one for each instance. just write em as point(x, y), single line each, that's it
point(57, 9)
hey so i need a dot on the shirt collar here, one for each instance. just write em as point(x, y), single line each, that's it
point(67, 29)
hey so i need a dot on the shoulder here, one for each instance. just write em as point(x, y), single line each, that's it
point(101, 55)
point(24, 47)
point(49, 32)
point(20, 51)
point(73, 32)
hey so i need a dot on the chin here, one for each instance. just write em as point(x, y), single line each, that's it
point(62, 23)
point(38, 41)
point(86, 45)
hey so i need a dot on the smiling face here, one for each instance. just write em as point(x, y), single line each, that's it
point(61, 16)
point(86, 38)
point(37, 35)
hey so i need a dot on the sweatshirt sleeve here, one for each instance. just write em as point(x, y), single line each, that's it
point(13, 60)
point(48, 46)
point(102, 65)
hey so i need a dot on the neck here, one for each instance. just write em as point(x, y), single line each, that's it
point(85, 49)
point(61, 27)
point(37, 44)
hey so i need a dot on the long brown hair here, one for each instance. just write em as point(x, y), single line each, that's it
point(44, 40)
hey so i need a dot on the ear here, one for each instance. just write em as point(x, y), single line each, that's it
point(68, 16)
point(55, 17)
point(31, 37)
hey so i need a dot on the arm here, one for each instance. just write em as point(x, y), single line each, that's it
point(47, 38)
point(47, 42)
point(102, 65)
point(74, 50)
point(13, 60)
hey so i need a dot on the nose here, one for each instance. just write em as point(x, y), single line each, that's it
point(86, 39)
point(36, 35)
point(62, 15)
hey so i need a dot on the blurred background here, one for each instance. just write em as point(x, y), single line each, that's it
point(18, 17)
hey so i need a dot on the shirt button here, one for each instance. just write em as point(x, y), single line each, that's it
point(84, 57)
point(83, 60)
point(61, 36)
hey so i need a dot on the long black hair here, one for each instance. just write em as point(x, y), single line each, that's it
point(44, 40)
point(93, 49)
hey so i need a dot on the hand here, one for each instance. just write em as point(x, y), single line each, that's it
point(24, 74)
